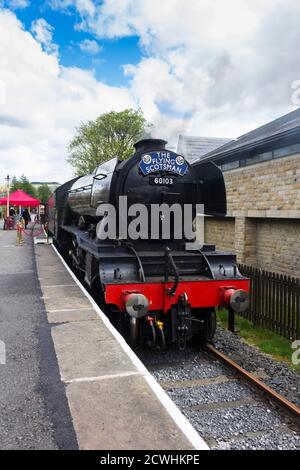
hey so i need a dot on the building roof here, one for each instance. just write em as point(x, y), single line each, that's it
point(283, 130)
point(193, 148)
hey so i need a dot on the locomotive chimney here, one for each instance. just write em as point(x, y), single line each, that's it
point(146, 145)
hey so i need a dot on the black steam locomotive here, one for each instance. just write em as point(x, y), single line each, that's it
point(154, 287)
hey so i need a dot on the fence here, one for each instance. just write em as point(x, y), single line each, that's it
point(274, 301)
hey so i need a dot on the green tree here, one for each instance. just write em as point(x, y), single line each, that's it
point(111, 134)
point(27, 186)
point(43, 193)
point(15, 184)
point(24, 184)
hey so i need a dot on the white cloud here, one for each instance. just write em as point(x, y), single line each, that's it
point(218, 68)
point(208, 68)
point(42, 104)
point(90, 46)
point(43, 33)
point(84, 7)
point(18, 4)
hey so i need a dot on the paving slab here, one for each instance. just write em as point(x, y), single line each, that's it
point(88, 349)
point(49, 278)
point(64, 300)
point(66, 316)
point(135, 421)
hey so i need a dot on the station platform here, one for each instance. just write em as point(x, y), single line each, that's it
point(94, 391)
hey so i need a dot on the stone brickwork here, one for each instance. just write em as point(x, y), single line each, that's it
point(263, 227)
point(245, 240)
point(220, 232)
point(272, 187)
point(278, 246)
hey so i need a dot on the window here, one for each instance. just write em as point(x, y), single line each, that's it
point(230, 165)
point(261, 157)
point(284, 151)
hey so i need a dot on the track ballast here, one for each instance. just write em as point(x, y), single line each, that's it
point(225, 409)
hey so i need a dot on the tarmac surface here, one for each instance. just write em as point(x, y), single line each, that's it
point(34, 412)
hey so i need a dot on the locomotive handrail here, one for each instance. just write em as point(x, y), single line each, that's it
point(208, 264)
point(138, 260)
point(171, 290)
point(96, 177)
point(82, 188)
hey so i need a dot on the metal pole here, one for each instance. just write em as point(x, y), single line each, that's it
point(7, 202)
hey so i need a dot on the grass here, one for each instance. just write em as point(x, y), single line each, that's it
point(271, 343)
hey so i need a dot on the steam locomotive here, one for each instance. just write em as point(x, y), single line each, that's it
point(155, 288)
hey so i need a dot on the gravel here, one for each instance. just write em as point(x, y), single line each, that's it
point(223, 392)
point(170, 356)
point(193, 371)
point(230, 423)
point(275, 440)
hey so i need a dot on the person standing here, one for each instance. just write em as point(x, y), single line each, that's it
point(33, 216)
point(26, 217)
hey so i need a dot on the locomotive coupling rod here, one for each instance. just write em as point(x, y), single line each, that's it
point(273, 395)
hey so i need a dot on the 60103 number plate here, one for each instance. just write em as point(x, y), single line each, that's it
point(161, 180)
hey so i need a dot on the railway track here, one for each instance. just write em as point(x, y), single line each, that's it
point(260, 385)
point(229, 407)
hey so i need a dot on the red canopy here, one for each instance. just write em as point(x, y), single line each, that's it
point(19, 198)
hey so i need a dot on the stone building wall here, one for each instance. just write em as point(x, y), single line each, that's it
point(278, 246)
point(263, 222)
point(266, 187)
point(220, 232)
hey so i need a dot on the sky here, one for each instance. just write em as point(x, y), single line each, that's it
point(194, 67)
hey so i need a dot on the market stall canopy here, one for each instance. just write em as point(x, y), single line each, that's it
point(20, 198)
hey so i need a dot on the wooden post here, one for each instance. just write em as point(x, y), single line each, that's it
point(231, 319)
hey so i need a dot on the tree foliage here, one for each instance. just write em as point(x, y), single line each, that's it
point(43, 193)
point(110, 135)
point(24, 184)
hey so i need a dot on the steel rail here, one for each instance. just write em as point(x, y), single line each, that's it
point(282, 401)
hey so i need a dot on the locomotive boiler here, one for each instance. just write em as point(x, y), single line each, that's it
point(155, 283)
